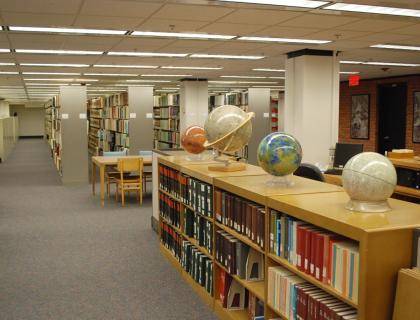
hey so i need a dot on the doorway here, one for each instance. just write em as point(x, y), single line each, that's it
point(392, 111)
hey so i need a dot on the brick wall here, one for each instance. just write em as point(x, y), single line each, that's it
point(370, 87)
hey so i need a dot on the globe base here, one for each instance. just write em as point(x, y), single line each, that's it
point(281, 182)
point(195, 157)
point(368, 206)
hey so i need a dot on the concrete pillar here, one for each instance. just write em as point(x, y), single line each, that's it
point(194, 95)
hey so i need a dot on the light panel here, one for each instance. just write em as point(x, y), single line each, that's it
point(182, 35)
point(396, 47)
point(268, 70)
point(373, 9)
point(244, 77)
point(53, 73)
point(128, 66)
point(288, 3)
point(349, 72)
point(4, 50)
point(147, 54)
point(191, 68)
point(378, 63)
point(60, 79)
point(71, 65)
point(9, 72)
point(224, 56)
point(69, 52)
point(242, 82)
point(166, 75)
point(7, 64)
point(284, 40)
point(112, 74)
point(67, 30)
point(149, 80)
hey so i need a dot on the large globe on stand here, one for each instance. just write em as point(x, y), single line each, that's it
point(193, 139)
point(228, 129)
point(279, 154)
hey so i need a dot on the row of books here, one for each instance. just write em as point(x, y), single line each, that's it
point(240, 214)
point(198, 265)
point(169, 180)
point(96, 113)
point(168, 124)
point(170, 209)
point(120, 99)
point(171, 239)
point(166, 112)
point(238, 258)
point(163, 145)
point(294, 298)
point(166, 100)
point(197, 194)
point(116, 112)
point(112, 141)
point(199, 228)
point(326, 256)
point(115, 125)
point(169, 136)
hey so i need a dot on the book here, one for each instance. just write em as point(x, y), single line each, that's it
point(415, 260)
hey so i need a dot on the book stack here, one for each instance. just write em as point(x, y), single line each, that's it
point(199, 228)
point(238, 258)
point(167, 136)
point(169, 180)
point(166, 100)
point(171, 239)
point(116, 112)
point(255, 307)
point(166, 112)
point(169, 209)
point(115, 125)
point(198, 195)
point(243, 216)
point(294, 298)
point(326, 256)
point(198, 265)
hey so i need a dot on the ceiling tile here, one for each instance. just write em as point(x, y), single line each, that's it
point(90, 43)
point(384, 37)
point(232, 28)
point(103, 22)
point(346, 45)
point(36, 41)
point(266, 17)
point(411, 30)
point(41, 6)
point(171, 25)
point(285, 32)
point(336, 34)
point(119, 8)
point(191, 44)
point(52, 58)
point(323, 21)
point(37, 20)
point(375, 25)
point(141, 44)
point(191, 12)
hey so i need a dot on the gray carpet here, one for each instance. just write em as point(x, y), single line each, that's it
point(62, 256)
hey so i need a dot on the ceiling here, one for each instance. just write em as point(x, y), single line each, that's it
point(350, 33)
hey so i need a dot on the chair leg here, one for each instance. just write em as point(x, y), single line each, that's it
point(122, 197)
point(108, 189)
point(116, 193)
point(141, 195)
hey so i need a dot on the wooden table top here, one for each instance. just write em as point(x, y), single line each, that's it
point(109, 161)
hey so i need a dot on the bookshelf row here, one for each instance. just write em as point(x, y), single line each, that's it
point(166, 121)
point(53, 130)
point(273, 255)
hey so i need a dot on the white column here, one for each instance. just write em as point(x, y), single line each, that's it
point(311, 102)
point(74, 134)
point(140, 104)
point(194, 95)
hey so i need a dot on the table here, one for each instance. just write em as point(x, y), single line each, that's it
point(102, 162)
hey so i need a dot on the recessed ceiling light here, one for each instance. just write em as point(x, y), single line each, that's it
point(349, 72)
point(373, 9)
point(269, 70)
point(166, 75)
point(234, 82)
point(149, 80)
point(44, 51)
point(192, 68)
point(53, 79)
point(4, 50)
point(40, 85)
point(396, 46)
point(284, 40)
point(55, 73)
point(112, 74)
point(73, 65)
point(244, 77)
point(377, 63)
point(183, 35)
point(67, 30)
point(289, 3)
point(147, 54)
point(225, 56)
point(9, 72)
point(7, 64)
point(351, 62)
point(124, 66)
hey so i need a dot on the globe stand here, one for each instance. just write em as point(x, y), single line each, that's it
point(281, 182)
point(368, 206)
point(195, 157)
point(227, 165)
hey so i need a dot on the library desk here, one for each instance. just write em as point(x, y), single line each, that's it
point(102, 163)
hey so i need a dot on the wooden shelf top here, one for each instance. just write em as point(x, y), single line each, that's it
point(328, 211)
point(258, 188)
point(177, 161)
point(409, 163)
point(202, 172)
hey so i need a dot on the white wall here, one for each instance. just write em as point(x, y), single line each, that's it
point(31, 120)
point(4, 109)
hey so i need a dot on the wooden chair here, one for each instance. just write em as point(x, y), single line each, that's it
point(147, 175)
point(111, 174)
point(130, 165)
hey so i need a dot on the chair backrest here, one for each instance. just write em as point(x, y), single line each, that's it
point(130, 164)
point(145, 153)
point(115, 153)
point(307, 170)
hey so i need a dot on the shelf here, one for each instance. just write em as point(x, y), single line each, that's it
point(170, 224)
point(227, 314)
point(195, 243)
point(168, 142)
point(240, 237)
point(169, 195)
point(256, 287)
point(277, 312)
point(285, 263)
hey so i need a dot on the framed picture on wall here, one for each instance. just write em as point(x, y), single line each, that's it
point(359, 117)
point(416, 118)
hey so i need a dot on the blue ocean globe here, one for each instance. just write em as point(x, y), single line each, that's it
point(279, 154)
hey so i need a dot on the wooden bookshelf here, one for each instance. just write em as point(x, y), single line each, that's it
point(166, 121)
point(53, 130)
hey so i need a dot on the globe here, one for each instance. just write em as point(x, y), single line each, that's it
point(193, 139)
point(279, 154)
point(369, 179)
point(228, 128)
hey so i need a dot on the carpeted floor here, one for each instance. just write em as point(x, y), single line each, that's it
point(62, 256)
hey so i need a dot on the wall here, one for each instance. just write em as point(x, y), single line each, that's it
point(4, 109)
point(370, 87)
point(31, 120)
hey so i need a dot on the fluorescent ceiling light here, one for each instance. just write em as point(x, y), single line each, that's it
point(349, 72)
point(169, 88)
point(55, 73)
point(132, 85)
point(150, 80)
point(244, 77)
point(67, 30)
point(234, 82)
point(147, 54)
point(7, 64)
point(166, 90)
point(106, 90)
point(4, 50)
point(9, 72)
point(373, 9)
point(277, 78)
point(73, 65)
point(269, 70)
point(75, 52)
point(192, 68)
point(351, 62)
point(166, 75)
point(112, 74)
point(289, 3)
point(40, 85)
point(182, 35)
point(277, 87)
point(377, 63)
point(53, 79)
point(124, 66)
point(284, 40)
point(397, 47)
point(225, 56)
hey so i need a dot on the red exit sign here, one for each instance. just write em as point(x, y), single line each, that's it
point(354, 80)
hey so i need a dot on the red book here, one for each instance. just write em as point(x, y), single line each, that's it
point(307, 250)
point(314, 235)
